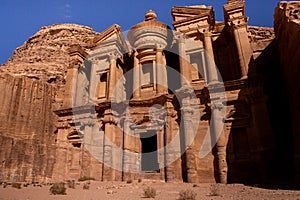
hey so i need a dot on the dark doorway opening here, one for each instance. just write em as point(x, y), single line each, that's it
point(149, 151)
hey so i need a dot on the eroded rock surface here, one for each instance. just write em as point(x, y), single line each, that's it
point(287, 29)
point(44, 56)
point(27, 132)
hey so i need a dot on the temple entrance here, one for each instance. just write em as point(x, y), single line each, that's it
point(149, 151)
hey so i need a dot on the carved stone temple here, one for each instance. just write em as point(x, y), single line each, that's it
point(204, 101)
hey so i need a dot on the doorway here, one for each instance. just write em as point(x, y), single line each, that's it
point(149, 151)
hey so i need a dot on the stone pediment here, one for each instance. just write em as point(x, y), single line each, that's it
point(110, 40)
point(190, 11)
point(191, 18)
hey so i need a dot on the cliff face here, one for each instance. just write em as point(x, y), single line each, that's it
point(44, 56)
point(29, 84)
point(287, 30)
point(260, 38)
point(27, 132)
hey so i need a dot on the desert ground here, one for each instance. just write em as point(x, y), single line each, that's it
point(135, 190)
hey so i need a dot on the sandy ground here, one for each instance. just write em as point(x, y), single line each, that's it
point(135, 190)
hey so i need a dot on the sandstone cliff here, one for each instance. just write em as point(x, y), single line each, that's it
point(27, 132)
point(44, 56)
point(260, 38)
point(29, 84)
point(287, 29)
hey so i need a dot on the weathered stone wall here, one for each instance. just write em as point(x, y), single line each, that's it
point(260, 38)
point(27, 131)
point(287, 30)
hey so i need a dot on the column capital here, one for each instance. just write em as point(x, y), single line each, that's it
point(94, 61)
point(180, 37)
point(207, 34)
point(113, 55)
point(237, 26)
point(159, 47)
point(217, 105)
point(204, 33)
point(135, 52)
point(109, 118)
point(75, 63)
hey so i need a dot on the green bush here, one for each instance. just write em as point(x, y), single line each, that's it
point(187, 195)
point(16, 185)
point(85, 178)
point(149, 192)
point(58, 188)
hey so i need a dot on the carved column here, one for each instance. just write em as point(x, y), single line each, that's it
point(136, 77)
point(172, 154)
point(234, 13)
point(77, 56)
point(60, 170)
point(243, 48)
point(126, 147)
point(221, 143)
point(93, 80)
point(204, 66)
point(96, 149)
point(108, 159)
point(212, 76)
point(185, 74)
point(70, 84)
point(161, 73)
point(187, 112)
point(112, 74)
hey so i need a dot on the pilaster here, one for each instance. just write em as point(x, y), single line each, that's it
point(235, 19)
point(211, 68)
point(161, 72)
point(109, 172)
point(112, 73)
point(183, 64)
point(172, 145)
point(77, 57)
point(136, 76)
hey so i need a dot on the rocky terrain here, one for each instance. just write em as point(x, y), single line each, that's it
point(44, 56)
point(135, 191)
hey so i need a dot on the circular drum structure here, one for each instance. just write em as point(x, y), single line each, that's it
point(150, 33)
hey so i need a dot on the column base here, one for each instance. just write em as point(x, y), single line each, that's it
point(214, 82)
point(244, 77)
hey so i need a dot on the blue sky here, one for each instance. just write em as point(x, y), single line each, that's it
point(21, 19)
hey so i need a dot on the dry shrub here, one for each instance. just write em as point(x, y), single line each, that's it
point(86, 186)
point(16, 185)
point(85, 178)
point(129, 181)
point(71, 184)
point(149, 192)
point(58, 188)
point(187, 195)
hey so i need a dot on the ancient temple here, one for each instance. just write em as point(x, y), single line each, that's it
point(125, 96)
point(202, 101)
